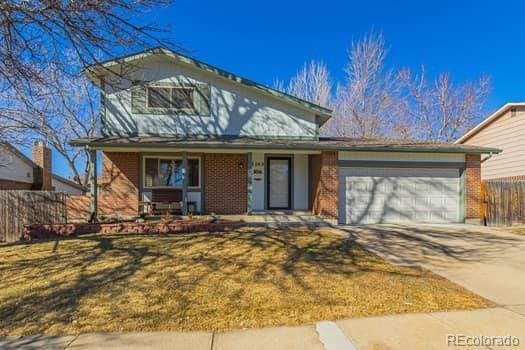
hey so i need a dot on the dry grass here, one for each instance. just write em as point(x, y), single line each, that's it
point(520, 230)
point(247, 278)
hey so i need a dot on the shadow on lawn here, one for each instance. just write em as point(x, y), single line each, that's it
point(71, 270)
point(60, 298)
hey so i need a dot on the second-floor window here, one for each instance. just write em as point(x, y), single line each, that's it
point(171, 98)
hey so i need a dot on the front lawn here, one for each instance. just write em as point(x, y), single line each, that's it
point(520, 230)
point(252, 277)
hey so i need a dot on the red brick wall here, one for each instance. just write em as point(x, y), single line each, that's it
point(119, 193)
point(324, 185)
point(473, 187)
point(78, 208)
point(15, 185)
point(41, 155)
point(225, 183)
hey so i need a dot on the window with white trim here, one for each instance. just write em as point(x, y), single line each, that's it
point(167, 172)
point(172, 98)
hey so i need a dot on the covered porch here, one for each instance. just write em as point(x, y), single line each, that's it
point(142, 182)
point(225, 182)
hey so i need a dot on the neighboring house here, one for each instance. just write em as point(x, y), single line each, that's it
point(504, 129)
point(175, 129)
point(18, 172)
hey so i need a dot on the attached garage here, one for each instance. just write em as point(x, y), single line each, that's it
point(401, 188)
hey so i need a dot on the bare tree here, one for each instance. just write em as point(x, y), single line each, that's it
point(311, 83)
point(44, 45)
point(441, 110)
point(35, 33)
point(368, 104)
point(377, 102)
point(63, 108)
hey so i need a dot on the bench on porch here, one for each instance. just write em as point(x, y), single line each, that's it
point(166, 201)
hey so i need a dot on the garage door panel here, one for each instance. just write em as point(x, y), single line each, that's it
point(421, 216)
point(439, 203)
point(374, 195)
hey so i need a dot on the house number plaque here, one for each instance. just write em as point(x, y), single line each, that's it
point(258, 171)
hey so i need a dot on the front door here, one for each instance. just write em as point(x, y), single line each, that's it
point(278, 183)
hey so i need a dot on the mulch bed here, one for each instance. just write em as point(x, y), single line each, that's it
point(40, 231)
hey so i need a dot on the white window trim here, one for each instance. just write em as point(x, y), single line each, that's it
point(193, 109)
point(170, 158)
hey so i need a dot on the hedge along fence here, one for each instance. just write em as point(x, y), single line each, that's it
point(504, 201)
point(20, 208)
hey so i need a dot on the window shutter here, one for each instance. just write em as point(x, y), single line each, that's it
point(203, 99)
point(138, 100)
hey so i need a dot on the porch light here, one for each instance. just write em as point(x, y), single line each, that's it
point(241, 165)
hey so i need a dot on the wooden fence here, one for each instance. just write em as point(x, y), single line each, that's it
point(19, 208)
point(503, 202)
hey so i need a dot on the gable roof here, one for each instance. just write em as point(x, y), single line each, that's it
point(96, 70)
point(18, 154)
point(489, 120)
point(68, 182)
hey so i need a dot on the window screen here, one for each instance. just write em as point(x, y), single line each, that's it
point(168, 172)
point(159, 97)
point(175, 98)
point(182, 98)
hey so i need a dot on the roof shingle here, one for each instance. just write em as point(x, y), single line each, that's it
point(323, 143)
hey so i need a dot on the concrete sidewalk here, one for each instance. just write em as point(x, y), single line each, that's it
point(408, 331)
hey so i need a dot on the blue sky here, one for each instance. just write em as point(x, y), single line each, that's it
point(272, 39)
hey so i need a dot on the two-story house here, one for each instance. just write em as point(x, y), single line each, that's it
point(177, 129)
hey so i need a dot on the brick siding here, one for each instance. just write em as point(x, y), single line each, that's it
point(15, 185)
point(324, 185)
point(119, 193)
point(225, 183)
point(42, 157)
point(473, 187)
point(78, 208)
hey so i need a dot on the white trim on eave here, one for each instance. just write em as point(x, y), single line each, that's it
point(489, 120)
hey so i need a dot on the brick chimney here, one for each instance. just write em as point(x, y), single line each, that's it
point(42, 158)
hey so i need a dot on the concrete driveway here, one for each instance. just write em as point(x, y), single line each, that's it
point(488, 261)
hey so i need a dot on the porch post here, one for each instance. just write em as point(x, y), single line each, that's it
point(250, 183)
point(184, 183)
point(93, 186)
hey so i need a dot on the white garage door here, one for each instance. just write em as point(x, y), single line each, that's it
point(398, 195)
